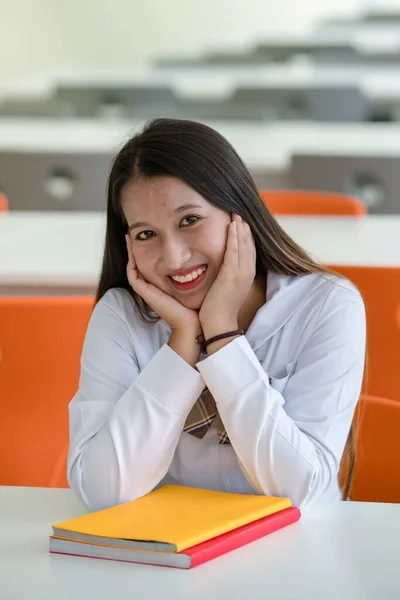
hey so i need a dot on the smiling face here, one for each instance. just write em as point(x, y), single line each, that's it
point(178, 237)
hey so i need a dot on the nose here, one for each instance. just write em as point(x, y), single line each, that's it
point(175, 253)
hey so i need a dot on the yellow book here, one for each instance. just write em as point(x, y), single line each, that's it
point(170, 519)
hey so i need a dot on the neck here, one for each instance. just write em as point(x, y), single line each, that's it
point(254, 301)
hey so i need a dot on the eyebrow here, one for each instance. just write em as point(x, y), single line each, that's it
point(180, 209)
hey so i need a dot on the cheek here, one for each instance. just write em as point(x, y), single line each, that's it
point(146, 258)
point(214, 241)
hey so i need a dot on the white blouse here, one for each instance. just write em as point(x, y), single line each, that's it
point(286, 393)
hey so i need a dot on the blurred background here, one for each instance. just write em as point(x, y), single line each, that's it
point(45, 34)
point(309, 95)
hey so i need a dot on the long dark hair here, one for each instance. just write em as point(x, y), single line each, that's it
point(203, 159)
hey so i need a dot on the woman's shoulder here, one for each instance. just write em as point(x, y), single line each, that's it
point(315, 288)
point(117, 306)
point(330, 282)
point(337, 288)
point(330, 292)
point(118, 300)
point(327, 299)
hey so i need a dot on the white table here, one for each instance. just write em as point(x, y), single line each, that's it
point(46, 145)
point(368, 40)
point(61, 253)
point(369, 37)
point(50, 253)
point(380, 84)
point(261, 146)
point(367, 33)
point(345, 550)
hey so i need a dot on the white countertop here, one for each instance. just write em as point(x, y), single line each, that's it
point(346, 551)
point(265, 146)
point(367, 33)
point(57, 249)
point(379, 82)
point(64, 249)
point(369, 40)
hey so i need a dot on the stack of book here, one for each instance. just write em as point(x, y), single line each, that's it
point(173, 526)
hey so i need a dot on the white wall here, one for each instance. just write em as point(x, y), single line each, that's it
point(38, 35)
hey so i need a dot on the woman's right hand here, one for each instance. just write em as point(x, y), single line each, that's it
point(173, 312)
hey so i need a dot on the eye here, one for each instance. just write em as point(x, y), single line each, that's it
point(144, 235)
point(190, 220)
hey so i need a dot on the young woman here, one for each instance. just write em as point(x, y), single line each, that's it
point(218, 353)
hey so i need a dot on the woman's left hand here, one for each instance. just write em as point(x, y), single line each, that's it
point(221, 306)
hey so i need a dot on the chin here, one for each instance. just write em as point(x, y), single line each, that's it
point(192, 304)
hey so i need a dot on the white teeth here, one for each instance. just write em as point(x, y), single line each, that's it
point(190, 276)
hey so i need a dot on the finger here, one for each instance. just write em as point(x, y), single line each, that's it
point(128, 245)
point(237, 218)
point(244, 228)
point(231, 252)
point(131, 267)
point(248, 236)
point(131, 260)
point(242, 242)
point(253, 252)
point(246, 232)
point(246, 246)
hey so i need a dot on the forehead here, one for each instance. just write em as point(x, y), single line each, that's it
point(144, 196)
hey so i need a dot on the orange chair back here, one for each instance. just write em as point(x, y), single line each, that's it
point(3, 202)
point(40, 346)
point(377, 469)
point(304, 202)
point(380, 288)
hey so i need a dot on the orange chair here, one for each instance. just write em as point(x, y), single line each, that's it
point(304, 202)
point(3, 202)
point(380, 288)
point(376, 475)
point(40, 347)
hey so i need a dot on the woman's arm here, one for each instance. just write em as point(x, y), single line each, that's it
point(291, 445)
point(125, 424)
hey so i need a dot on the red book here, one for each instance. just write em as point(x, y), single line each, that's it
point(189, 558)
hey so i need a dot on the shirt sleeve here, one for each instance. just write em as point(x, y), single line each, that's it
point(290, 444)
point(125, 424)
